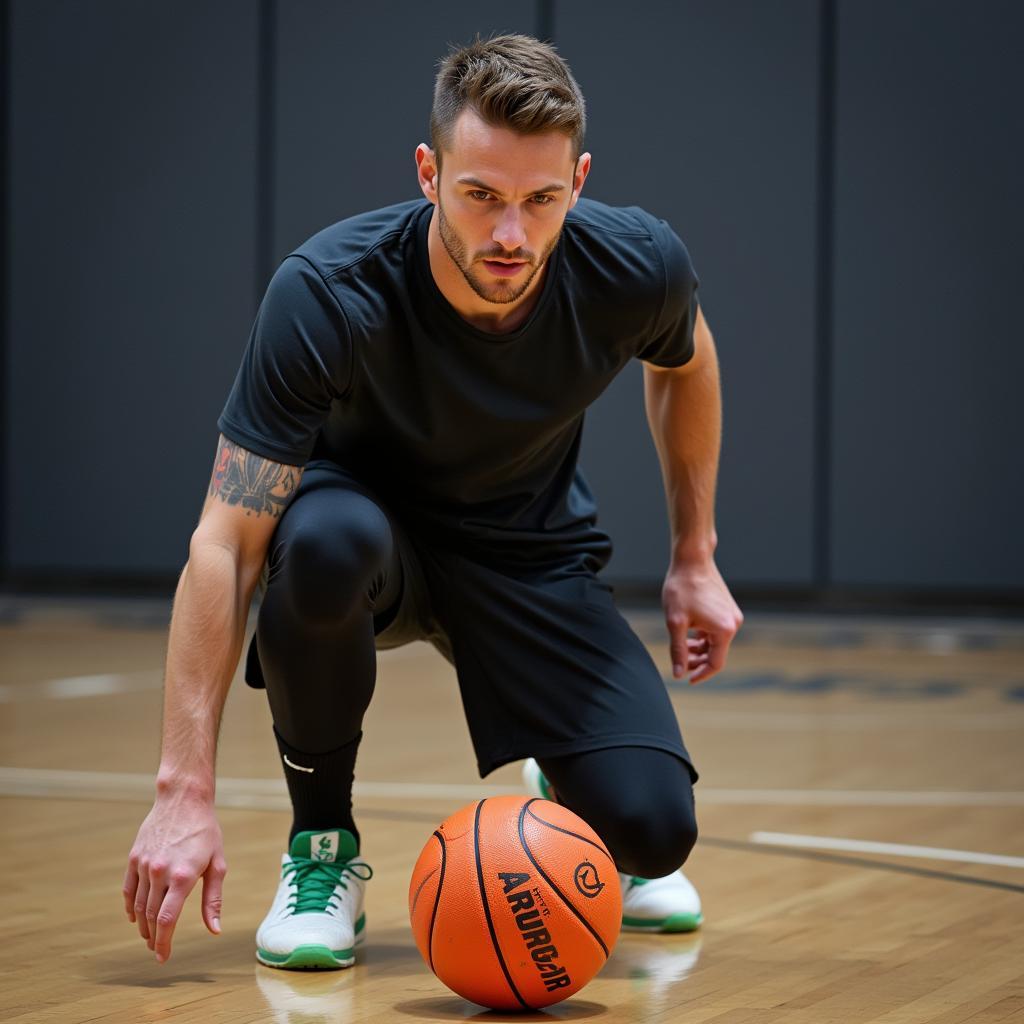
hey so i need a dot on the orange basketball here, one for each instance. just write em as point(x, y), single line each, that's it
point(515, 903)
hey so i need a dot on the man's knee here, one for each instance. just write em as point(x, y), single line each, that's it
point(329, 568)
point(639, 800)
point(653, 835)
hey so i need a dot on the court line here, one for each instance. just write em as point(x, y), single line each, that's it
point(73, 687)
point(114, 683)
point(231, 792)
point(271, 793)
point(859, 862)
point(861, 797)
point(851, 721)
point(891, 849)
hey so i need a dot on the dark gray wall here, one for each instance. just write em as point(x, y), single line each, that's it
point(163, 159)
point(713, 127)
point(353, 101)
point(132, 203)
point(927, 472)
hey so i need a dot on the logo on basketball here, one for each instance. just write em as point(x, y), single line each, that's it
point(587, 881)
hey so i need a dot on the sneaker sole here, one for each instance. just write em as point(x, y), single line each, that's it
point(308, 958)
point(672, 923)
point(314, 957)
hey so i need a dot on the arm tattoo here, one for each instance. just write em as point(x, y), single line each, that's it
point(255, 483)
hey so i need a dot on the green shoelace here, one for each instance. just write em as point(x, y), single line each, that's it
point(315, 881)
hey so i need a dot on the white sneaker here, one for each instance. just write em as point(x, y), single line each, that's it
point(316, 919)
point(535, 780)
point(667, 904)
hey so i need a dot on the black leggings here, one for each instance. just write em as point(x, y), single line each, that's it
point(334, 580)
point(639, 800)
point(333, 566)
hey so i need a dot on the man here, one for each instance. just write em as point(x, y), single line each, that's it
point(398, 460)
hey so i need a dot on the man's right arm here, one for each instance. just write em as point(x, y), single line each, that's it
point(180, 840)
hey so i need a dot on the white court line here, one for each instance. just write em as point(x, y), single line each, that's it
point(892, 849)
point(861, 797)
point(113, 683)
point(231, 792)
point(271, 793)
point(73, 687)
point(851, 721)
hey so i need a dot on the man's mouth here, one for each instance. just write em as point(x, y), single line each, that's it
point(504, 268)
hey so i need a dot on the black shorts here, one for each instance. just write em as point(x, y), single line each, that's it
point(545, 662)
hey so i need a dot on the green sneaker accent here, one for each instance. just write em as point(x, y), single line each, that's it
point(672, 923)
point(319, 862)
point(637, 880)
point(308, 957)
point(546, 788)
point(333, 845)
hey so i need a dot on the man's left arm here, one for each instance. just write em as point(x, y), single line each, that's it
point(684, 411)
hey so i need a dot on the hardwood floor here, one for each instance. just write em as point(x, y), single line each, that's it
point(908, 733)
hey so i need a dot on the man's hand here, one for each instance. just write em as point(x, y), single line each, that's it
point(696, 598)
point(179, 843)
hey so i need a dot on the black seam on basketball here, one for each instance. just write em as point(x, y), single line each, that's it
point(487, 909)
point(437, 900)
point(419, 889)
point(575, 835)
point(533, 860)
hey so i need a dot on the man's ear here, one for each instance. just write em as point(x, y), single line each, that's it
point(579, 176)
point(427, 171)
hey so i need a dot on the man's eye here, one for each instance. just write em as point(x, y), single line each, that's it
point(478, 194)
point(543, 200)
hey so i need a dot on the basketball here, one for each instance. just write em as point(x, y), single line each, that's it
point(515, 903)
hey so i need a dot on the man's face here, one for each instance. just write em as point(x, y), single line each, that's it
point(502, 199)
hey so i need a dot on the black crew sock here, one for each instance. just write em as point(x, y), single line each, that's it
point(320, 787)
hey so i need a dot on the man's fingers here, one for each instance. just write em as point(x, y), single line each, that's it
point(131, 883)
point(157, 891)
point(718, 648)
point(141, 899)
point(696, 650)
point(677, 627)
point(175, 845)
point(704, 672)
point(167, 915)
point(157, 894)
point(213, 894)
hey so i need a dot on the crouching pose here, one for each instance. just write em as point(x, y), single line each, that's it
point(398, 461)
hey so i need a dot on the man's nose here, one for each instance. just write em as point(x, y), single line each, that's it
point(508, 232)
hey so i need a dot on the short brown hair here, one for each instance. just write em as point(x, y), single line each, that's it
point(511, 81)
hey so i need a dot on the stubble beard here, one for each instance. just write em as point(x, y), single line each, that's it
point(498, 292)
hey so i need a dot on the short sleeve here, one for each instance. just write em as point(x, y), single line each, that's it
point(298, 360)
point(671, 340)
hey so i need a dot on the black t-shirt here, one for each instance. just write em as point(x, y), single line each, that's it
point(471, 437)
